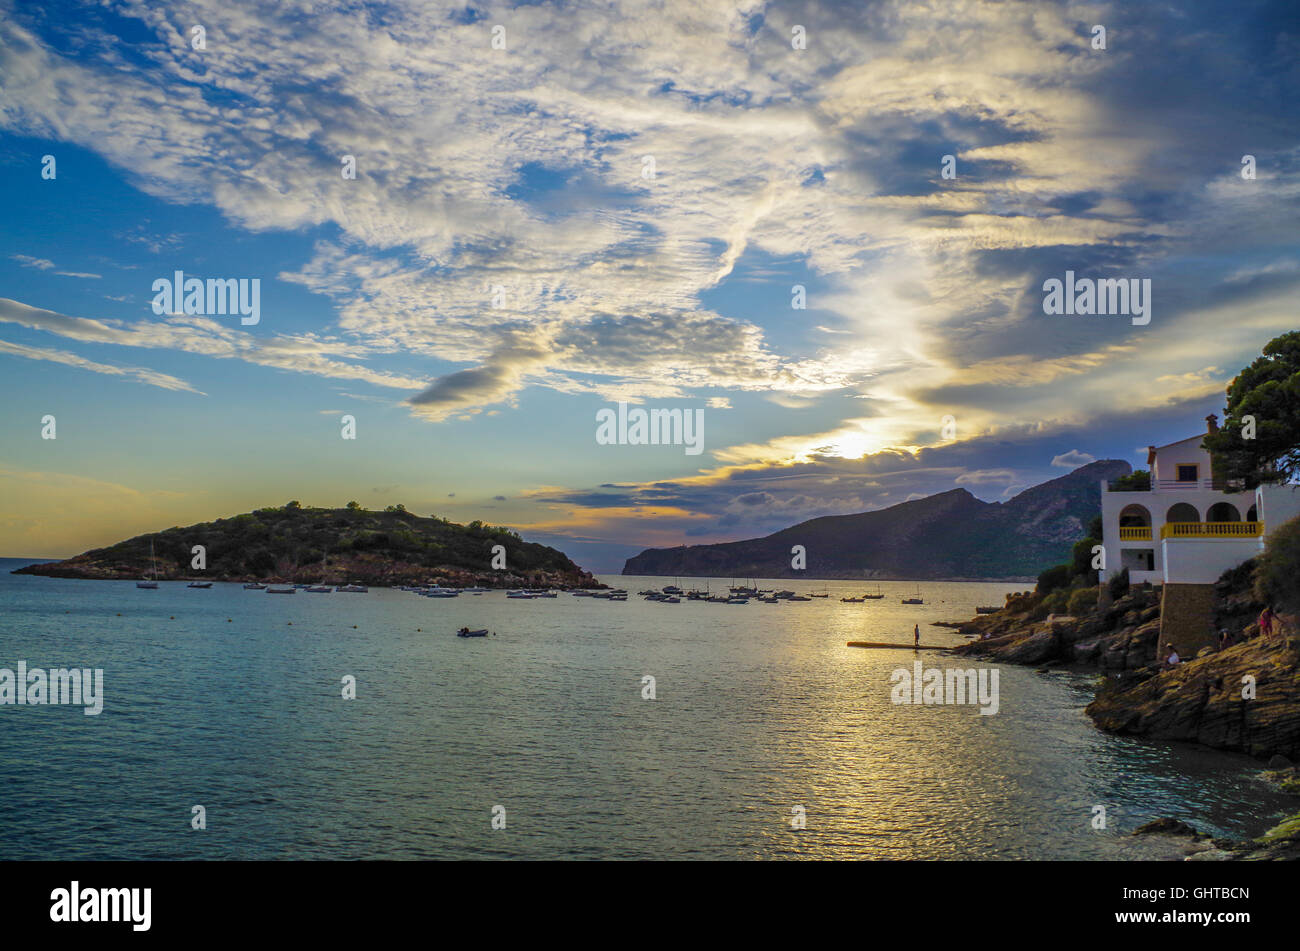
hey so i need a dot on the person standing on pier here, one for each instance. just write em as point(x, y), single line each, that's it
point(916, 636)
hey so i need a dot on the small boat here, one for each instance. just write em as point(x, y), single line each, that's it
point(737, 600)
point(852, 600)
point(915, 599)
point(293, 590)
point(152, 583)
point(199, 584)
point(319, 589)
point(875, 597)
point(441, 593)
point(798, 597)
point(520, 595)
point(354, 589)
point(254, 586)
point(670, 600)
point(820, 594)
point(987, 610)
point(466, 632)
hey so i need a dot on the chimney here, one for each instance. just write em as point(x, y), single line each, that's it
point(1211, 424)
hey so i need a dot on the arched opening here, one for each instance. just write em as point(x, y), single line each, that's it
point(1252, 514)
point(1134, 516)
point(1183, 512)
point(1223, 512)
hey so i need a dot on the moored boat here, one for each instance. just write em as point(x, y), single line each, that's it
point(466, 632)
point(254, 586)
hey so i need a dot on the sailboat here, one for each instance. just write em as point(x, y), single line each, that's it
point(877, 596)
point(914, 600)
point(153, 571)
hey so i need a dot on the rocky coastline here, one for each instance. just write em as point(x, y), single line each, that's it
point(1243, 698)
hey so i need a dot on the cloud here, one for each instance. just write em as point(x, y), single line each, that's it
point(139, 374)
point(1073, 459)
point(28, 261)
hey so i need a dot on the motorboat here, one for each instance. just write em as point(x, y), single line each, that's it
point(319, 589)
point(293, 590)
point(353, 589)
point(466, 632)
point(199, 584)
point(254, 586)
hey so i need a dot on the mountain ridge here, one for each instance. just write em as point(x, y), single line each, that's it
point(951, 535)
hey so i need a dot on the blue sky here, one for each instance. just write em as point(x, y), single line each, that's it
point(524, 169)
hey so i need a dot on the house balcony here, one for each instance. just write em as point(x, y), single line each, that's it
point(1208, 530)
point(1135, 533)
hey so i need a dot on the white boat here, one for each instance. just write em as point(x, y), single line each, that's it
point(199, 584)
point(319, 589)
point(254, 586)
point(354, 589)
point(153, 571)
point(281, 590)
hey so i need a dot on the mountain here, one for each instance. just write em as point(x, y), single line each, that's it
point(952, 535)
point(296, 544)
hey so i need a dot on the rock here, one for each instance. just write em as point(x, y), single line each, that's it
point(1201, 701)
point(1168, 826)
point(1085, 652)
point(1278, 761)
point(1210, 855)
point(1029, 650)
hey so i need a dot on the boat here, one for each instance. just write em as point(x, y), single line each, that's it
point(199, 584)
point(466, 632)
point(254, 586)
point(152, 583)
point(819, 594)
point(915, 599)
point(354, 589)
point(852, 600)
point(737, 600)
point(798, 597)
point(319, 589)
point(875, 597)
point(987, 610)
point(670, 600)
point(441, 593)
point(293, 590)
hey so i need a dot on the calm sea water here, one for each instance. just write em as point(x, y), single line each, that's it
point(232, 700)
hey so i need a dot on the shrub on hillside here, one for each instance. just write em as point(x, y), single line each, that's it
point(1277, 576)
point(1082, 601)
point(1058, 576)
point(1118, 585)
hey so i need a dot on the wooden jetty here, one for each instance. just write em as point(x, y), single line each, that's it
point(901, 647)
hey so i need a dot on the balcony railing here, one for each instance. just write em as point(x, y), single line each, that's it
point(1135, 533)
point(1210, 530)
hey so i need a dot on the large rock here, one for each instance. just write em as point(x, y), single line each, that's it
point(1201, 701)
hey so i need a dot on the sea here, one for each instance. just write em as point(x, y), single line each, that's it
point(761, 735)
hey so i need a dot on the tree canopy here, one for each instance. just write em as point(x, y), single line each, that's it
point(1267, 395)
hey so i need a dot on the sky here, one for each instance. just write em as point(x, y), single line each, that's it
point(560, 206)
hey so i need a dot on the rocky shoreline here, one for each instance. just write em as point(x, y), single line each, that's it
point(367, 571)
point(1244, 698)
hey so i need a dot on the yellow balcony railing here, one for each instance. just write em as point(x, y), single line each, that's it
point(1135, 533)
point(1211, 530)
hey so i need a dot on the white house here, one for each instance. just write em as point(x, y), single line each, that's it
point(1187, 529)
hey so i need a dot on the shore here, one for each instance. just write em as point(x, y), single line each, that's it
point(1244, 698)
